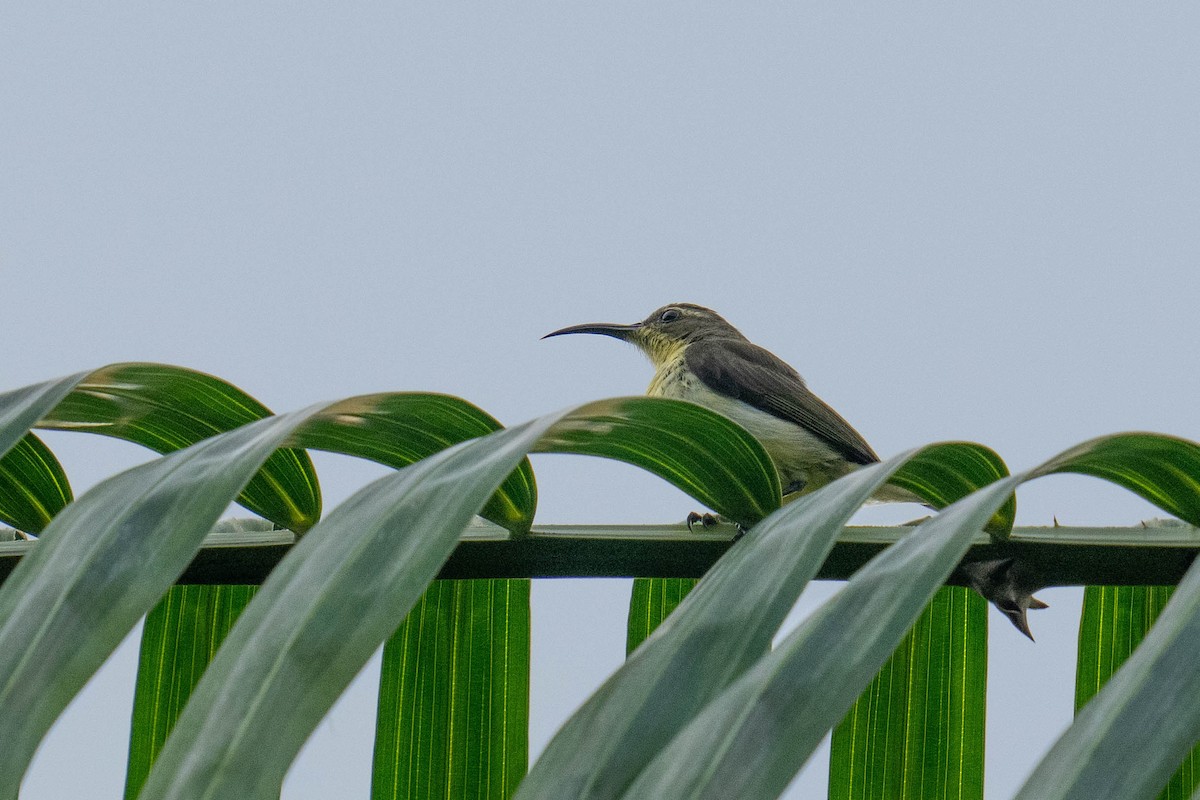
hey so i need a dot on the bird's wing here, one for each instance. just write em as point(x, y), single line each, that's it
point(744, 371)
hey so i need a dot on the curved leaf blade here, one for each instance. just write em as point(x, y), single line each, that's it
point(454, 694)
point(180, 637)
point(394, 429)
point(33, 486)
point(20, 409)
point(792, 695)
point(101, 564)
point(944, 473)
point(1114, 622)
point(701, 452)
point(719, 630)
point(292, 654)
point(1140, 703)
point(799, 690)
point(167, 408)
point(917, 732)
point(400, 428)
point(1164, 470)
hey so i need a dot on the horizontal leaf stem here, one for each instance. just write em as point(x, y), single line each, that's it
point(1061, 556)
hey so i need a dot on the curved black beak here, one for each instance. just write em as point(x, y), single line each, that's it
point(622, 332)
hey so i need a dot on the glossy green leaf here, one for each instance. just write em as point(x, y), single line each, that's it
point(1129, 739)
point(33, 486)
point(167, 408)
point(793, 695)
point(923, 696)
point(1141, 702)
point(701, 452)
point(393, 429)
point(720, 629)
point(652, 600)
point(917, 732)
point(20, 409)
point(795, 692)
point(108, 557)
point(1114, 621)
point(454, 694)
point(943, 473)
point(294, 649)
point(1165, 470)
point(180, 637)
point(398, 429)
point(100, 565)
point(635, 429)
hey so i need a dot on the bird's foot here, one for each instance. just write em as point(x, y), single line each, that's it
point(706, 520)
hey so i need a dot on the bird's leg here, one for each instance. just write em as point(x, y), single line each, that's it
point(708, 520)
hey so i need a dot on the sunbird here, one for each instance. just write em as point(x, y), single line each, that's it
point(699, 357)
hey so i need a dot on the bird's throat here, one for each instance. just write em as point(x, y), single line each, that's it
point(664, 353)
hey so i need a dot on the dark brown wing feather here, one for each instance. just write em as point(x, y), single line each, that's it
point(744, 371)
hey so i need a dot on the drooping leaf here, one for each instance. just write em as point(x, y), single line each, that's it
point(701, 452)
point(918, 729)
point(793, 695)
point(101, 564)
point(1164, 470)
point(652, 600)
point(627, 426)
point(1114, 622)
point(946, 472)
point(454, 694)
point(1141, 702)
point(33, 486)
point(111, 555)
point(393, 429)
point(180, 637)
point(166, 408)
point(292, 653)
point(917, 732)
point(400, 428)
point(720, 629)
point(20, 409)
point(802, 685)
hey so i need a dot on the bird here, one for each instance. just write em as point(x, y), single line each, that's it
point(700, 357)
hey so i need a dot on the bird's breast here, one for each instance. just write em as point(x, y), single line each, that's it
point(798, 454)
point(673, 379)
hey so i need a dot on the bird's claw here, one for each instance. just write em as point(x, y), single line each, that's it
point(708, 521)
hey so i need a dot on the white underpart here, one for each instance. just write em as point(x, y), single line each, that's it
point(799, 456)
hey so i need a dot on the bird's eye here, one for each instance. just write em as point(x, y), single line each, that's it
point(670, 315)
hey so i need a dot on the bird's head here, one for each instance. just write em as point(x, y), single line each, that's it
point(665, 333)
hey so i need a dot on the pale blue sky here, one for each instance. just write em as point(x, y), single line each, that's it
point(956, 222)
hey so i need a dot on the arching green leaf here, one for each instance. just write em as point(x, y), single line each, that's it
point(706, 455)
point(792, 695)
point(166, 408)
point(400, 428)
point(722, 627)
point(33, 486)
point(292, 653)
